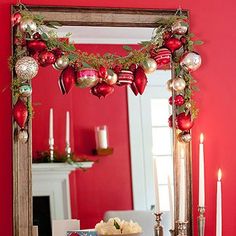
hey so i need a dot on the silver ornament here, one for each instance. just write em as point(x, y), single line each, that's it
point(179, 84)
point(180, 27)
point(61, 63)
point(185, 137)
point(28, 25)
point(111, 77)
point(149, 66)
point(26, 68)
point(191, 61)
point(169, 85)
point(25, 90)
point(23, 136)
point(87, 77)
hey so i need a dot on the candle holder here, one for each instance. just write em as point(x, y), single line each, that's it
point(182, 228)
point(68, 151)
point(158, 227)
point(201, 221)
point(172, 232)
point(51, 149)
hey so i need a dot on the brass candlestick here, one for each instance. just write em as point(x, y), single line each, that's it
point(158, 227)
point(172, 232)
point(182, 228)
point(51, 149)
point(68, 151)
point(201, 221)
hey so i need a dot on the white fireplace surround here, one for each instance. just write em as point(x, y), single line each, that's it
point(52, 179)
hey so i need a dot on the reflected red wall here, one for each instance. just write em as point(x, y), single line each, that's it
point(214, 23)
point(107, 186)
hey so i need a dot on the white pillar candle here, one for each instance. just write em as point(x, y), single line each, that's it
point(201, 198)
point(67, 128)
point(156, 187)
point(102, 137)
point(219, 206)
point(51, 127)
point(182, 190)
point(171, 202)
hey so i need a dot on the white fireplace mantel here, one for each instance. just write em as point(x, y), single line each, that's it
point(52, 179)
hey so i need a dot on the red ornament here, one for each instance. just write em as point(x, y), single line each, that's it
point(162, 58)
point(133, 67)
point(167, 35)
point(170, 121)
point(140, 79)
point(20, 113)
point(125, 77)
point(117, 69)
point(184, 122)
point(37, 35)
point(102, 89)
point(173, 44)
point(134, 89)
point(178, 100)
point(102, 72)
point(67, 79)
point(183, 40)
point(16, 18)
point(57, 52)
point(36, 46)
point(46, 58)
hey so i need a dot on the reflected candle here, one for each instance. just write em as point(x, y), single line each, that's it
point(171, 202)
point(156, 187)
point(51, 127)
point(182, 189)
point(219, 206)
point(101, 137)
point(201, 202)
point(67, 128)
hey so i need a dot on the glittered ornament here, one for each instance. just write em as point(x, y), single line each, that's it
point(67, 79)
point(149, 65)
point(184, 122)
point(23, 136)
point(179, 84)
point(111, 77)
point(25, 90)
point(20, 113)
point(26, 68)
point(162, 58)
point(87, 77)
point(184, 137)
point(46, 58)
point(173, 44)
point(125, 77)
point(102, 72)
point(27, 25)
point(178, 100)
point(180, 27)
point(102, 89)
point(61, 63)
point(191, 61)
point(16, 18)
point(140, 79)
point(36, 46)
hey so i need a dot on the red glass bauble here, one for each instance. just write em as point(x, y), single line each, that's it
point(133, 67)
point(20, 113)
point(134, 89)
point(173, 44)
point(46, 58)
point(67, 79)
point(102, 90)
point(140, 79)
point(117, 69)
point(57, 52)
point(16, 18)
point(36, 46)
point(170, 121)
point(102, 72)
point(37, 35)
point(178, 100)
point(184, 122)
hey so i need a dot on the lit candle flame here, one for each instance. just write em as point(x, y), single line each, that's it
point(201, 138)
point(219, 174)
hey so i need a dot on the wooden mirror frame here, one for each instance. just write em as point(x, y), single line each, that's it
point(22, 152)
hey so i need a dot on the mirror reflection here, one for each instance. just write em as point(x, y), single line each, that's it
point(137, 130)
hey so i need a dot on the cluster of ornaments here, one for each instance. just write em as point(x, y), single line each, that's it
point(101, 81)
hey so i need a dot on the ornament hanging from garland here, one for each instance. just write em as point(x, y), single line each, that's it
point(171, 46)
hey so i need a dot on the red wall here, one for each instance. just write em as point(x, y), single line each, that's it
point(213, 23)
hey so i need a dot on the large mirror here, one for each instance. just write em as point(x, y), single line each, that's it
point(138, 132)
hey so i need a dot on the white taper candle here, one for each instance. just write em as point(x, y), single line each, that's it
point(201, 198)
point(67, 128)
point(182, 189)
point(156, 187)
point(219, 206)
point(171, 202)
point(51, 127)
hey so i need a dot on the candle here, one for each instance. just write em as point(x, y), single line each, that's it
point(51, 127)
point(156, 187)
point(201, 198)
point(102, 137)
point(67, 128)
point(182, 191)
point(219, 206)
point(171, 202)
